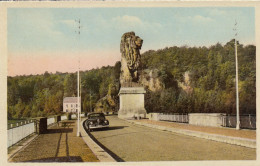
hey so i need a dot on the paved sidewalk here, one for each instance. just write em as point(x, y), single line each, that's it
point(60, 144)
point(248, 134)
point(245, 138)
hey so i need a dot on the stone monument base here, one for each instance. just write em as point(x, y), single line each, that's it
point(132, 103)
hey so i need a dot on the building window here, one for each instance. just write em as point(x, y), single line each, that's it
point(76, 105)
point(67, 105)
point(72, 105)
point(66, 110)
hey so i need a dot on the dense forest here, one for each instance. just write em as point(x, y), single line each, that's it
point(212, 79)
point(211, 72)
point(42, 95)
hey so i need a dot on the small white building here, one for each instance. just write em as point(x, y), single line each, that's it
point(70, 104)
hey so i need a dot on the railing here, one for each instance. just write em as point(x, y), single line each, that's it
point(18, 131)
point(182, 118)
point(246, 121)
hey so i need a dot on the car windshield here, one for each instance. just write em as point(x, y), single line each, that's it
point(96, 116)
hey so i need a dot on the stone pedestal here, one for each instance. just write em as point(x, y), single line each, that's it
point(131, 103)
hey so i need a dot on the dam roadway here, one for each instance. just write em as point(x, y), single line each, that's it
point(130, 142)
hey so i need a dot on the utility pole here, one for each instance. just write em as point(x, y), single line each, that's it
point(79, 106)
point(237, 95)
point(90, 102)
point(79, 86)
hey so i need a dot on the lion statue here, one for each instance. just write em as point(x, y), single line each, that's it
point(131, 59)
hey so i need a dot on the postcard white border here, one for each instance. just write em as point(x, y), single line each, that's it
point(91, 4)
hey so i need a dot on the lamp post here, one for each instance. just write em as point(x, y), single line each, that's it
point(237, 94)
point(78, 102)
point(78, 133)
point(90, 102)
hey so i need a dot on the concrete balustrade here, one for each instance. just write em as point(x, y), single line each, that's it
point(209, 119)
point(182, 118)
point(19, 131)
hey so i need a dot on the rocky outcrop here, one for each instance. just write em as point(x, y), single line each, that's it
point(150, 79)
point(186, 84)
point(105, 104)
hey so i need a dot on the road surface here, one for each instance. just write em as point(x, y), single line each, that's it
point(130, 142)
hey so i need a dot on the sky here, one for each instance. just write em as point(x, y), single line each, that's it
point(45, 39)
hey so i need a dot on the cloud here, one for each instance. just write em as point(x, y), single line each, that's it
point(202, 19)
point(196, 19)
point(41, 22)
point(126, 22)
point(217, 12)
point(70, 23)
point(36, 30)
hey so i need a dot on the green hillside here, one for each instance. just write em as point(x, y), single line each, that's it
point(42, 95)
point(212, 79)
point(211, 73)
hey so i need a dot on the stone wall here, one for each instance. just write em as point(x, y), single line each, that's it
point(153, 116)
point(206, 119)
point(181, 118)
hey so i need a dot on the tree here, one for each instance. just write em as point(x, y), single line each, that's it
point(70, 85)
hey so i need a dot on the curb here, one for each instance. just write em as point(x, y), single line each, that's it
point(250, 143)
point(100, 153)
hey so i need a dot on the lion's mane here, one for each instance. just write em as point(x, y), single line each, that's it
point(129, 47)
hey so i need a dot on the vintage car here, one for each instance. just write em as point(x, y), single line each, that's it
point(95, 121)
